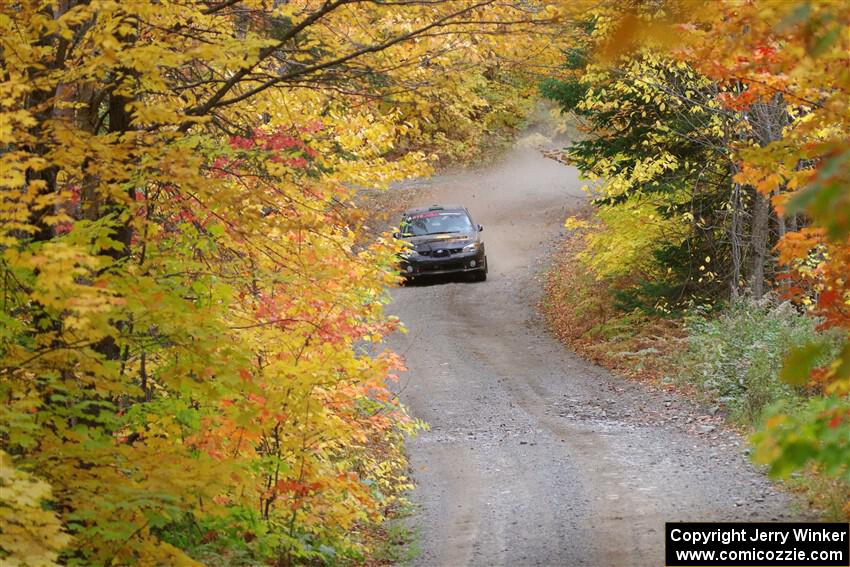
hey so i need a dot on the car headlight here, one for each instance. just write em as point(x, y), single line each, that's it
point(472, 247)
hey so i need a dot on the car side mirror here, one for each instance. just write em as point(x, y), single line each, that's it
point(480, 228)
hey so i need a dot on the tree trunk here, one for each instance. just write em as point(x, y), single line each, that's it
point(735, 231)
point(758, 240)
point(767, 119)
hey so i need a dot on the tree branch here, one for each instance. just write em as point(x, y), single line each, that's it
point(445, 20)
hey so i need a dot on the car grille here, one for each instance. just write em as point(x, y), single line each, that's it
point(443, 266)
point(441, 252)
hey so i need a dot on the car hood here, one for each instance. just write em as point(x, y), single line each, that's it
point(439, 241)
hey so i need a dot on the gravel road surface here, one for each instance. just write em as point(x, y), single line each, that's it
point(535, 457)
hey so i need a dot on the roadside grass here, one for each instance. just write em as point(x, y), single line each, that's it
point(728, 358)
point(735, 357)
point(393, 542)
point(829, 495)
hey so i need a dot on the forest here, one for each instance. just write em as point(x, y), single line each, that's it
point(193, 298)
point(721, 204)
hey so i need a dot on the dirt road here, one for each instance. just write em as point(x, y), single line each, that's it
point(535, 457)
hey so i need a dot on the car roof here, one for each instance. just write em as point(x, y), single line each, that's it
point(449, 208)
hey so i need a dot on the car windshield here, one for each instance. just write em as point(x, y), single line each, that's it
point(435, 222)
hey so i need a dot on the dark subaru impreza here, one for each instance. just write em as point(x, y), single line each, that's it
point(443, 240)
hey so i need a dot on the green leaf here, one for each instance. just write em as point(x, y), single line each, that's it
point(824, 42)
point(216, 230)
point(800, 362)
point(797, 16)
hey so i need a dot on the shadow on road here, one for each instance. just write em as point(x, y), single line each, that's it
point(428, 281)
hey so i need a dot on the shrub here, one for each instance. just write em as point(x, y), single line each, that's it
point(735, 358)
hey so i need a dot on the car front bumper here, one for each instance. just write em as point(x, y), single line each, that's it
point(456, 263)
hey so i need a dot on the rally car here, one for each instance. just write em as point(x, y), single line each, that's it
point(442, 239)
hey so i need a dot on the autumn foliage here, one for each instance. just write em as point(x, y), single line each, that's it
point(795, 54)
point(719, 130)
point(191, 313)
